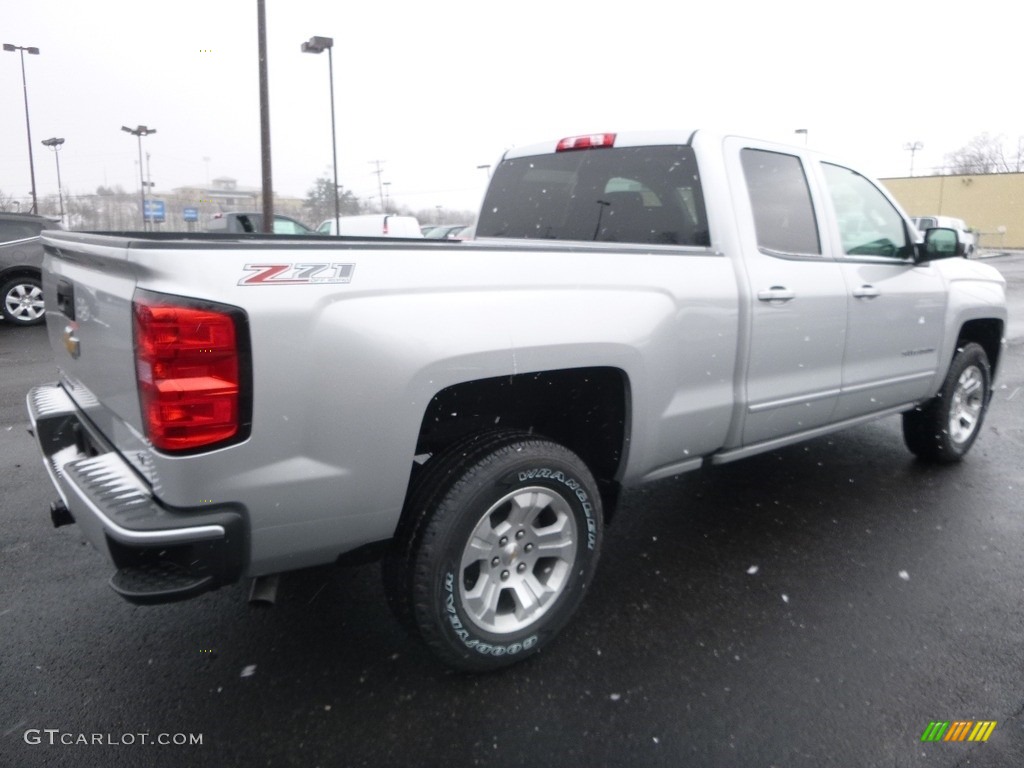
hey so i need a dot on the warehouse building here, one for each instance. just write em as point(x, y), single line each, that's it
point(992, 204)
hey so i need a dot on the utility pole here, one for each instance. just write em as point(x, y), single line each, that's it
point(913, 148)
point(268, 182)
point(380, 185)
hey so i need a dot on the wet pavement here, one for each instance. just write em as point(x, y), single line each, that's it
point(815, 606)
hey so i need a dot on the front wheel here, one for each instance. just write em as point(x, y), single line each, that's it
point(943, 429)
point(501, 542)
point(23, 301)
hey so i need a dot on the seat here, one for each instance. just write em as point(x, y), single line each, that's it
point(624, 218)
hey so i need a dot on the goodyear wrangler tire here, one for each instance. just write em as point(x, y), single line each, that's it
point(943, 429)
point(504, 540)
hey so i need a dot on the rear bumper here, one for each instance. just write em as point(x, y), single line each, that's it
point(162, 554)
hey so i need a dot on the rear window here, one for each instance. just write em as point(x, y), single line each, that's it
point(781, 202)
point(646, 195)
point(19, 230)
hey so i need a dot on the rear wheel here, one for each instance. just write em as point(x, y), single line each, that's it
point(500, 541)
point(944, 429)
point(23, 301)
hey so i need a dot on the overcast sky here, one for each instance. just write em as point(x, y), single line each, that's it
point(435, 89)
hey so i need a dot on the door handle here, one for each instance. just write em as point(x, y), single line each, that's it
point(776, 293)
point(866, 292)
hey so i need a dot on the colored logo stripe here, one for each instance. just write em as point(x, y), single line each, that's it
point(959, 730)
point(982, 730)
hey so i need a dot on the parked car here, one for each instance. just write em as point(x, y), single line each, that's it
point(21, 258)
point(241, 222)
point(372, 225)
point(965, 235)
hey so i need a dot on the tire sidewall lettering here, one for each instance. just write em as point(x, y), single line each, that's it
point(468, 483)
point(576, 489)
point(471, 643)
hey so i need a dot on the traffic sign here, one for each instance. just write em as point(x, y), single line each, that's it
point(155, 210)
point(190, 214)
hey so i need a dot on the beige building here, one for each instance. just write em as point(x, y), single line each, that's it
point(222, 196)
point(992, 204)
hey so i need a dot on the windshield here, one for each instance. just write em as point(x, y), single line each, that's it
point(647, 195)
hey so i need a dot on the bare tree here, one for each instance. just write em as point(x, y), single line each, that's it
point(107, 209)
point(982, 154)
point(7, 202)
point(319, 203)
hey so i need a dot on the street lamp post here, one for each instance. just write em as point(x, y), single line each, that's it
point(139, 132)
point(55, 145)
point(28, 128)
point(319, 45)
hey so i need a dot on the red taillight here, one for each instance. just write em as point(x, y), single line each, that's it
point(188, 366)
point(593, 141)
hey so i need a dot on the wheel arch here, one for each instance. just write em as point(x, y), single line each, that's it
point(12, 273)
point(585, 409)
point(986, 332)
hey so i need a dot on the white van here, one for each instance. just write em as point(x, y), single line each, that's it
point(372, 225)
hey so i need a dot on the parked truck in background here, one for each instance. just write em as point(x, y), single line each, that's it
point(635, 306)
point(239, 222)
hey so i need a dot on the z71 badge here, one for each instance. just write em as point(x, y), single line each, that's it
point(297, 274)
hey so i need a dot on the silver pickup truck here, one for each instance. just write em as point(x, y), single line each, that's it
point(635, 306)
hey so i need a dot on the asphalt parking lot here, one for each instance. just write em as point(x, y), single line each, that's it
point(820, 605)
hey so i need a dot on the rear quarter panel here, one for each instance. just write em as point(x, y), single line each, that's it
point(343, 372)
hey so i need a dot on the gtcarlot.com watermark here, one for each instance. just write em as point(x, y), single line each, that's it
point(56, 737)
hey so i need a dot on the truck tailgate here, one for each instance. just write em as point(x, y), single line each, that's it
point(89, 428)
point(88, 286)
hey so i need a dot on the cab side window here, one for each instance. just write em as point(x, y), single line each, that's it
point(781, 201)
point(869, 225)
point(286, 227)
point(18, 230)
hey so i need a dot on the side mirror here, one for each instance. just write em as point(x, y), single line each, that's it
point(940, 243)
